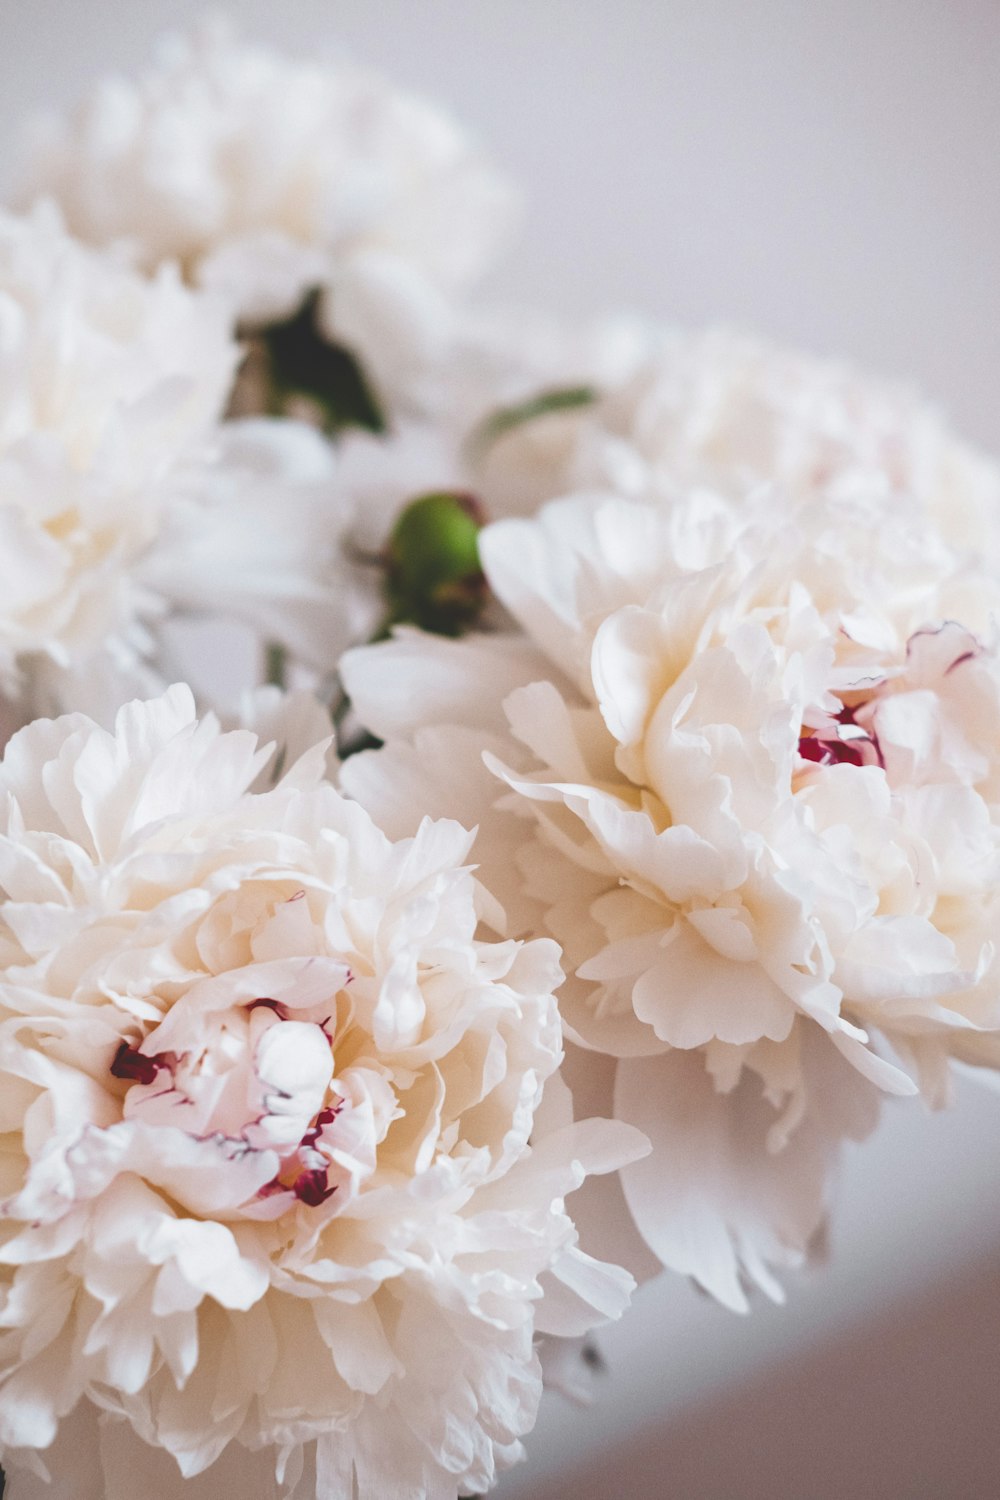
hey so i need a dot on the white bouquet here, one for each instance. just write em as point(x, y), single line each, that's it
point(607, 824)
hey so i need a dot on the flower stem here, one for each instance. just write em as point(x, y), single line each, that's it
point(275, 664)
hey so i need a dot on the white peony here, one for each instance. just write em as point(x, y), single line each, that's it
point(729, 411)
point(743, 763)
point(267, 1191)
point(265, 178)
point(106, 379)
point(123, 501)
point(256, 531)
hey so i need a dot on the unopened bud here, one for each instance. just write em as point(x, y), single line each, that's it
point(433, 577)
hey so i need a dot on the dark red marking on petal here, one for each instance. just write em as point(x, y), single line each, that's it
point(826, 748)
point(135, 1067)
point(281, 1011)
point(270, 1188)
point(830, 752)
point(946, 625)
point(325, 1117)
point(311, 1187)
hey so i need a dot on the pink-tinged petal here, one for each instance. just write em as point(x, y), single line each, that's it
point(298, 982)
point(676, 863)
point(577, 561)
point(711, 1200)
point(541, 719)
point(358, 1343)
point(574, 1287)
point(721, 743)
point(415, 679)
point(36, 1396)
point(207, 1175)
point(878, 1070)
point(694, 994)
point(402, 783)
point(601, 1018)
point(634, 662)
point(294, 1065)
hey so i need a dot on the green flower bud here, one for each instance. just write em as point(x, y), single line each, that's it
point(433, 574)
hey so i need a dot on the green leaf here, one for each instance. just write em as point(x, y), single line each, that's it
point(302, 362)
point(506, 418)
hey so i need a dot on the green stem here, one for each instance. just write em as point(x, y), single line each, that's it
point(275, 664)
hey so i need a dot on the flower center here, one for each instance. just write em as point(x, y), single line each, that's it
point(306, 1172)
point(254, 1074)
point(136, 1067)
point(840, 740)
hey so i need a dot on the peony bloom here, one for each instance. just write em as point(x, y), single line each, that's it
point(105, 380)
point(121, 498)
point(268, 1197)
point(266, 178)
point(742, 762)
point(728, 411)
point(252, 534)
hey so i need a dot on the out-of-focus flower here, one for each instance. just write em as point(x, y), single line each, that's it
point(267, 179)
point(722, 409)
point(254, 532)
point(107, 380)
point(743, 764)
point(267, 1102)
point(122, 499)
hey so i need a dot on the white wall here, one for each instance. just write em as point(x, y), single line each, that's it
point(823, 169)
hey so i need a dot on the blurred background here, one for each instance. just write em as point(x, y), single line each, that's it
point(824, 173)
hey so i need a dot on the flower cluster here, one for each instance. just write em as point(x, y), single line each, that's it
point(266, 179)
point(659, 845)
point(670, 411)
point(123, 499)
point(106, 381)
